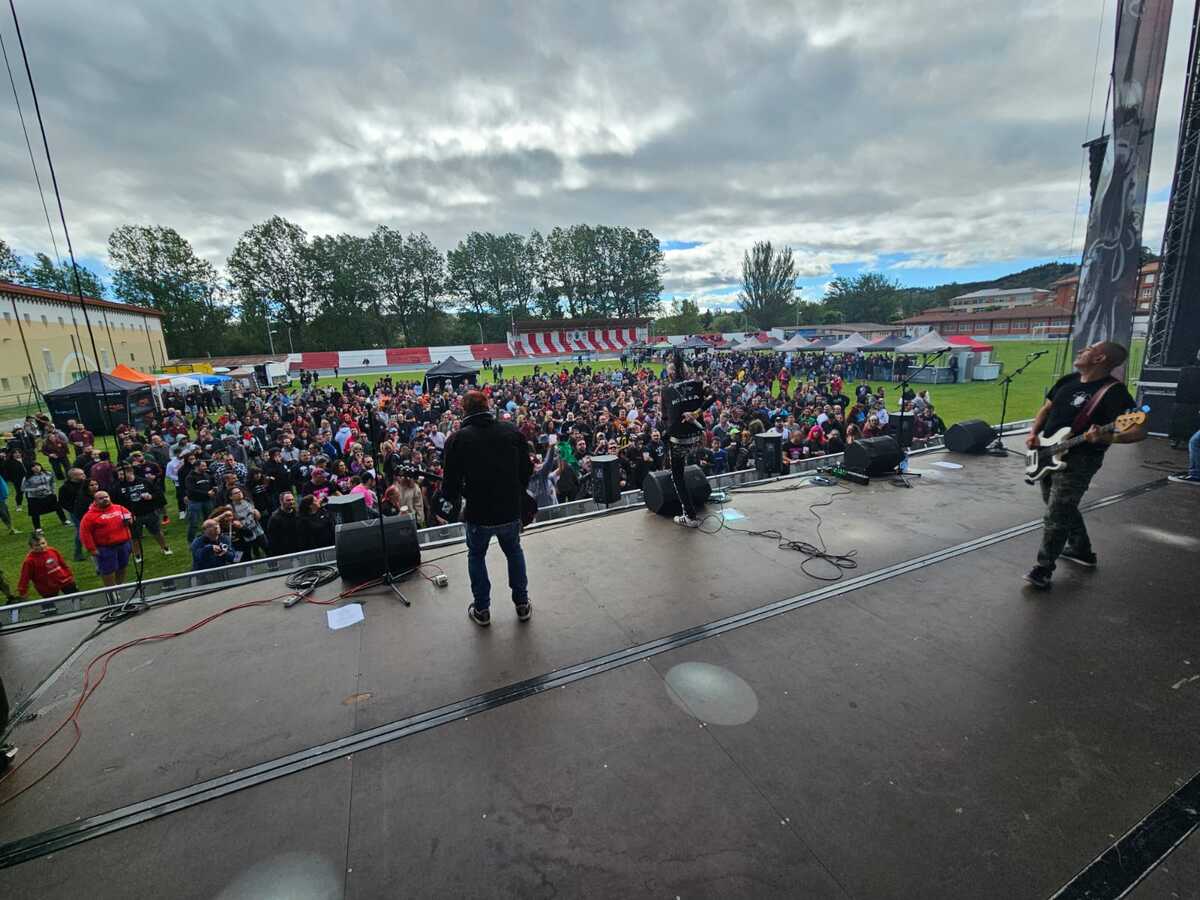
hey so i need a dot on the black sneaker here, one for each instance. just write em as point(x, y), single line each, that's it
point(524, 611)
point(1085, 559)
point(482, 619)
point(1039, 577)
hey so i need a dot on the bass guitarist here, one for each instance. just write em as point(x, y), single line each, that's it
point(1085, 400)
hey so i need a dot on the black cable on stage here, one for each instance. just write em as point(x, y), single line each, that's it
point(841, 562)
point(62, 216)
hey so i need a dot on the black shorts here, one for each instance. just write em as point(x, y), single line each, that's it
point(150, 523)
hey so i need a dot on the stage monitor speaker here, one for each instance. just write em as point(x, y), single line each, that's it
point(659, 491)
point(606, 479)
point(768, 453)
point(971, 436)
point(347, 508)
point(872, 456)
point(1188, 389)
point(359, 548)
point(1185, 421)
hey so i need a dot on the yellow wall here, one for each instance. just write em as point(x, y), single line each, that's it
point(59, 346)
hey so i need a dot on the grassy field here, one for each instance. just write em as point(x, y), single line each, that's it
point(953, 402)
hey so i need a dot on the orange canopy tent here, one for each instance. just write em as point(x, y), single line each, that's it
point(127, 374)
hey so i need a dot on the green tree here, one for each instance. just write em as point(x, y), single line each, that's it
point(350, 314)
point(493, 272)
point(768, 285)
point(409, 274)
point(868, 297)
point(684, 318)
point(602, 271)
point(11, 267)
point(155, 266)
point(45, 274)
point(270, 270)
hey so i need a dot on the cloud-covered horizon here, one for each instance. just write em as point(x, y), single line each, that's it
point(921, 135)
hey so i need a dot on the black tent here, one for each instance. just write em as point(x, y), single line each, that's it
point(449, 372)
point(127, 402)
point(694, 343)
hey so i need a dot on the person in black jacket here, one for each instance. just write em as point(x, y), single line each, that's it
point(283, 528)
point(315, 525)
point(142, 495)
point(488, 464)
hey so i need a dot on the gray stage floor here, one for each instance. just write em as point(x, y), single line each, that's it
point(942, 732)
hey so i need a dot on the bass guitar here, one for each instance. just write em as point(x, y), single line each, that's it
point(1051, 455)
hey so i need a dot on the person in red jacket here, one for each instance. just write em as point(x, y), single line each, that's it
point(48, 571)
point(104, 532)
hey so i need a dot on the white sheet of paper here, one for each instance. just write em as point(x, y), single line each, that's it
point(947, 465)
point(344, 616)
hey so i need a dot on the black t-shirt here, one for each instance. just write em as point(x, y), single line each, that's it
point(1070, 395)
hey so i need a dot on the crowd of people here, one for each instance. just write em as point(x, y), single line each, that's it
point(251, 471)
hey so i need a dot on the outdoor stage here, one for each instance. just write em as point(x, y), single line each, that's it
point(703, 719)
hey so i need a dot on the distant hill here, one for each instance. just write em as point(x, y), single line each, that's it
point(915, 300)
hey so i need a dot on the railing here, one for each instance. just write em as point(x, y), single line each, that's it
point(249, 572)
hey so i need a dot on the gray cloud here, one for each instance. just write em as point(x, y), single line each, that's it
point(946, 130)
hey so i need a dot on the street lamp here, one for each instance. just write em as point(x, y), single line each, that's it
point(271, 332)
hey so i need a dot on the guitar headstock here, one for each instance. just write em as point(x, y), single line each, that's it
point(1129, 420)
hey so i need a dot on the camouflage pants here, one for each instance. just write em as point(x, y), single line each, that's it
point(1063, 523)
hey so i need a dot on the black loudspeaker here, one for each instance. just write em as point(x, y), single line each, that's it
point(971, 436)
point(360, 553)
point(606, 479)
point(347, 508)
point(768, 453)
point(1185, 421)
point(659, 491)
point(872, 456)
point(1188, 389)
point(260, 375)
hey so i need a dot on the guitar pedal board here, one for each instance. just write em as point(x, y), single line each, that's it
point(844, 474)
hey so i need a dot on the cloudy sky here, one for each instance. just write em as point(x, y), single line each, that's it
point(936, 140)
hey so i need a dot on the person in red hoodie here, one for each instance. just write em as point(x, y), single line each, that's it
point(48, 571)
point(104, 532)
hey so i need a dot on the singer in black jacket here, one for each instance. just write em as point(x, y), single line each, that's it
point(682, 402)
point(488, 464)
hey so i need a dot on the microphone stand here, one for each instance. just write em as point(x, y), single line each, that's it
point(996, 447)
point(389, 578)
point(906, 380)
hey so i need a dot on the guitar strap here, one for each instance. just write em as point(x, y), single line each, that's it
point(1080, 424)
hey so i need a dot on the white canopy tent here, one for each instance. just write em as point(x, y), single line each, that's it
point(930, 342)
point(795, 342)
point(850, 343)
point(745, 346)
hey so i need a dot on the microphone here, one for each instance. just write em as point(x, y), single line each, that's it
point(1036, 353)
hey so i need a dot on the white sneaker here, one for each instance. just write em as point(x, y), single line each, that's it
point(167, 552)
point(686, 522)
point(1184, 478)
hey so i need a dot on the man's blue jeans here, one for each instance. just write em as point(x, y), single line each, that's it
point(509, 538)
point(197, 512)
point(1194, 455)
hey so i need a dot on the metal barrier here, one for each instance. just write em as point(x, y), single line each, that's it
point(248, 572)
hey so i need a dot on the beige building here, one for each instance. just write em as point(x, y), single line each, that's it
point(44, 341)
point(999, 298)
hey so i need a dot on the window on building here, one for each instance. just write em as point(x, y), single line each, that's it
point(4, 385)
point(45, 321)
point(1037, 323)
point(7, 317)
point(48, 360)
point(1149, 279)
point(133, 358)
point(61, 323)
point(104, 358)
point(1000, 325)
point(26, 318)
point(25, 381)
point(1020, 324)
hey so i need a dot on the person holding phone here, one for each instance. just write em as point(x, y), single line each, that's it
point(212, 548)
